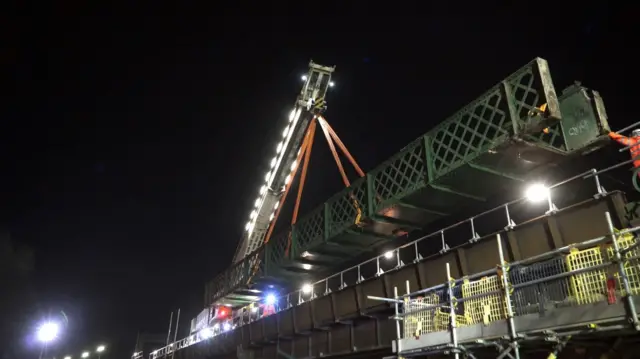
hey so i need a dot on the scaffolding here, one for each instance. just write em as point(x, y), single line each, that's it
point(584, 288)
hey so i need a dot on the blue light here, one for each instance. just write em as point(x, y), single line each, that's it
point(270, 299)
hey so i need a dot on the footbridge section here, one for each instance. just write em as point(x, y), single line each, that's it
point(515, 130)
point(336, 316)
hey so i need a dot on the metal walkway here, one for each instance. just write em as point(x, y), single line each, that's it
point(513, 130)
point(550, 282)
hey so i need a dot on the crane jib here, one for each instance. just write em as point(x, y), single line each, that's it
point(310, 102)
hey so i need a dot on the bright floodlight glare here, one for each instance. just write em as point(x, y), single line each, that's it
point(85, 354)
point(69, 356)
point(48, 332)
point(306, 289)
point(100, 348)
point(537, 193)
point(304, 77)
point(270, 299)
point(331, 84)
point(388, 255)
point(206, 333)
point(226, 326)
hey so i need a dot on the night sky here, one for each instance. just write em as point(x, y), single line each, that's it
point(136, 139)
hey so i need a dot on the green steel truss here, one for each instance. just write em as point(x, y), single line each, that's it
point(475, 151)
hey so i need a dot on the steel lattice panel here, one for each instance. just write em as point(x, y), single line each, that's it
point(493, 118)
point(553, 138)
point(403, 173)
point(345, 207)
point(277, 248)
point(470, 134)
point(309, 229)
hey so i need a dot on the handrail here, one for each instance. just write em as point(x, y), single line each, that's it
point(308, 293)
point(592, 272)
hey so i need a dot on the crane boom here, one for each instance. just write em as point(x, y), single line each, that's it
point(309, 103)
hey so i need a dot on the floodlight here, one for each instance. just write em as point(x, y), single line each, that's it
point(306, 289)
point(270, 299)
point(537, 192)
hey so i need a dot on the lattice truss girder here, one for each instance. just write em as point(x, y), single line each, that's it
point(518, 107)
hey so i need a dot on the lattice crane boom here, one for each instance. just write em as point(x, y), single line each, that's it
point(309, 103)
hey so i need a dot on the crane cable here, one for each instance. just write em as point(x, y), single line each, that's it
point(355, 165)
point(329, 135)
point(304, 156)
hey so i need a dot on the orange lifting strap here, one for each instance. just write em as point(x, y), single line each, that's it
point(304, 155)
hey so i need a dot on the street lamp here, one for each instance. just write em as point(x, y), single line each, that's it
point(48, 332)
point(99, 350)
point(67, 357)
point(537, 192)
point(85, 354)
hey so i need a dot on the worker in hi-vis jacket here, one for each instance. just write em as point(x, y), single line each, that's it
point(632, 142)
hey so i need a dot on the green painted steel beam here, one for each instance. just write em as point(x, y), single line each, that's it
point(396, 221)
point(458, 193)
point(498, 173)
point(319, 258)
point(370, 234)
point(421, 209)
point(334, 255)
point(347, 247)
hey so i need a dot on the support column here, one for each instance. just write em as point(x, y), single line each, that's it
point(556, 236)
point(513, 244)
point(244, 353)
point(507, 299)
point(462, 260)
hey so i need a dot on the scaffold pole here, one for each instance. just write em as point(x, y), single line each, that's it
point(507, 298)
point(397, 312)
point(623, 273)
point(452, 313)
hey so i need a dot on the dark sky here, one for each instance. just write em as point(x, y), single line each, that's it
point(138, 137)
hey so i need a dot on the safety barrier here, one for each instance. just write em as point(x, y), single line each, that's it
point(514, 295)
point(471, 290)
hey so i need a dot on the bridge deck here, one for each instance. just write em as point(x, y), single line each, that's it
point(489, 145)
point(346, 321)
